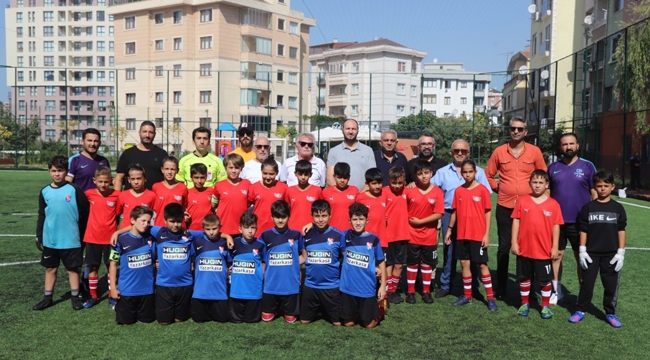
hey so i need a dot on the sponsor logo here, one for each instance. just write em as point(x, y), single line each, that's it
point(369, 245)
point(547, 213)
point(84, 166)
point(476, 198)
point(68, 198)
point(199, 247)
point(194, 201)
point(161, 197)
point(243, 267)
point(281, 259)
point(138, 260)
point(210, 264)
point(126, 247)
point(277, 195)
point(332, 199)
point(308, 240)
point(556, 171)
point(225, 193)
point(178, 198)
point(610, 218)
point(175, 252)
point(164, 237)
point(319, 257)
point(47, 257)
point(526, 210)
point(350, 197)
point(311, 198)
point(357, 259)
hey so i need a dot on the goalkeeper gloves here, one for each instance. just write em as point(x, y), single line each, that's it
point(39, 244)
point(585, 259)
point(617, 261)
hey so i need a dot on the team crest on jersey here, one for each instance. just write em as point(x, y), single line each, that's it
point(350, 197)
point(184, 238)
point(476, 198)
point(150, 243)
point(277, 195)
point(110, 203)
point(145, 205)
point(68, 198)
point(432, 201)
point(330, 241)
point(255, 252)
point(178, 197)
point(245, 192)
point(221, 249)
point(547, 213)
point(369, 245)
point(291, 241)
point(383, 204)
point(311, 198)
point(579, 173)
point(404, 196)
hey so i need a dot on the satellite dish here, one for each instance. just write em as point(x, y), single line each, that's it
point(523, 70)
point(532, 8)
point(589, 20)
point(544, 74)
point(435, 60)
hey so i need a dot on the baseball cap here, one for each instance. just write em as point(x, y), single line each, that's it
point(245, 127)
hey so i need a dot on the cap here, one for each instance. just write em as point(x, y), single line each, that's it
point(245, 127)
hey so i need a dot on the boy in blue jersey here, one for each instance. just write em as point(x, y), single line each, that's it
point(134, 253)
point(322, 268)
point(246, 279)
point(211, 261)
point(362, 252)
point(62, 217)
point(285, 252)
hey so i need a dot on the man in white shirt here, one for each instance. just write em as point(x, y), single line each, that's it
point(304, 151)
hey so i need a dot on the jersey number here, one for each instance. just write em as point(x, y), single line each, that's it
point(480, 252)
point(548, 268)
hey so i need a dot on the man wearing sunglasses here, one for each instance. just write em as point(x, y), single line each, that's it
point(513, 161)
point(304, 151)
point(359, 156)
point(426, 145)
point(246, 136)
point(448, 178)
point(252, 170)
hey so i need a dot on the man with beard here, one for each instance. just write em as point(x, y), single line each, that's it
point(83, 165)
point(571, 184)
point(514, 161)
point(201, 155)
point(388, 156)
point(426, 144)
point(246, 136)
point(252, 170)
point(359, 156)
point(144, 153)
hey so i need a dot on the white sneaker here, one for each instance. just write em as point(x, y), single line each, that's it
point(554, 299)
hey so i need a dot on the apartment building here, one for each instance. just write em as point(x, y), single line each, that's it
point(60, 58)
point(514, 89)
point(184, 64)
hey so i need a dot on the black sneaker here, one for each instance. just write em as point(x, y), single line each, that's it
point(45, 303)
point(440, 293)
point(410, 298)
point(426, 297)
point(77, 304)
point(394, 298)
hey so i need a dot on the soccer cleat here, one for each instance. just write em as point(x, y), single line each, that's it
point(394, 298)
point(546, 313)
point(577, 317)
point(76, 303)
point(90, 302)
point(112, 302)
point(463, 300)
point(427, 298)
point(440, 293)
point(523, 310)
point(43, 304)
point(553, 300)
point(613, 320)
point(492, 305)
point(384, 305)
point(410, 298)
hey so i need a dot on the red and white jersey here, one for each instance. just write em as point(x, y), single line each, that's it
point(470, 206)
point(166, 195)
point(129, 200)
point(232, 202)
point(199, 204)
point(300, 202)
point(536, 223)
point(422, 205)
point(262, 198)
point(102, 221)
point(397, 227)
point(340, 202)
point(376, 215)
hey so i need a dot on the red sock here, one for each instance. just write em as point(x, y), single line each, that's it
point(467, 286)
point(390, 284)
point(92, 284)
point(487, 282)
point(267, 317)
point(395, 282)
point(411, 275)
point(426, 277)
point(546, 293)
point(524, 291)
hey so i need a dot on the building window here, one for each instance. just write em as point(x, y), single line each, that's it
point(463, 100)
point(206, 97)
point(159, 97)
point(355, 89)
point(178, 17)
point(293, 28)
point(177, 70)
point(256, 44)
point(130, 124)
point(101, 90)
point(447, 100)
point(205, 122)
point(446, 84)
point(49, 91)
point(206, 15)
point(479, 86)
point(130, 48)
point(159, 71)
point(206, 42)
point(463, 84)
point(355, 67)
point(400, 89)
point(49, 120)
point(19, 17)
point(101, 46)
point(50, 105)
point(178, 44)
point(158, 18)
point(206, 69)
point(129, 22)
point(160, 45)
point(401, 66)
point(280, 50)
point(280, 76)
point(130, 74)
point(293, 78)
point(293, 102)
point(130, 99)
point(430, 99)
point(430, 83)
point(400, 110)
point(618, 5)
point(50, 135)
point(48, 46)
point(293, 52)
point(279, 101)
point(21, 76)
point(355, 110)
point(281, 24)
point(255, 17)
point(49, 76)
point(21, 91)
point(178, 97)
point(101, 31)
point(48, 16)
point(414, 90)
point(48, 31)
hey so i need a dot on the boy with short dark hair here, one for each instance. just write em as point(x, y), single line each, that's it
point(137, 195)
point(322, 268)
point(397, 230)
point(232, 194)
point(62, 217)
point(362, 255)
point(301, 196)
point(200, 199)
point(340, 196)
point(602, 248)
point(285, 252)
point(375, 200)
point(133, 254)
point(247, 275)
point(536, 222)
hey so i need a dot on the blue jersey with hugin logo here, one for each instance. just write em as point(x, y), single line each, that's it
point(247, 274)
point(322, 267)
point(282, 275)
point(361, 252)
point(211, 259)
point(135, 255)
point(174, 254)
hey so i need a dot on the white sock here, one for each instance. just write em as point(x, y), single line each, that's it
point(555, 285)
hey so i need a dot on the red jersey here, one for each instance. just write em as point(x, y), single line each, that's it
point(262, 198)
point(127, 201)
point(232, 203)
point(166, 195)
point(376, 215)
point(199, 204)
point(422, 205)
point(470, 206)
point(102, 221)
point(300, 202)
point(536, 223)
point(340, 202)
point(397, 215)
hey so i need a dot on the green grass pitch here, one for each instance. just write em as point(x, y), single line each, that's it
point(410, 331)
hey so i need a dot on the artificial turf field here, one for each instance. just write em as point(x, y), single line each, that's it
point(410, 331)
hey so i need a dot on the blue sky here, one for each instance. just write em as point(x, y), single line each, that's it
point(477, 33)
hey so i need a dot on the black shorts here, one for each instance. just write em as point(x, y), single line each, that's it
point(366, 308)
point(132, 309)
point(314, 301)
point(471, 250)
point(96, 254)
point(248, 311)
point(396, 253)
point(427, 254)
point(210, 310)
point(71, 258)
point(569, 232)
point(541, 269)
point(173, 303)
point(286, 304)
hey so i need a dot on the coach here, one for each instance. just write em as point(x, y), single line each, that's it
point(388, 156)
point(201, 155)
point(144, 153)
point(245, 135)
point(359, 156)
point(304, 151)
point(513, 161)
point(82, 166)
point(252, 170)
point(426, 144)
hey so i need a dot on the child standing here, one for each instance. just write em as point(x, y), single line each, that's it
point(302, 195)
point(137, 195)
point(232, 195)
point(536, 222)
point(263, 193)
point(602, 248)
point(375, 200)
point(340, 196)
point(200, 199)
point(472, 213)
point(397, 230)
point(62, 217)
point(169, 190)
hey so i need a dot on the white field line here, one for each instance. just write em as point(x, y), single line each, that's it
point(19, 214)
point(641, 206)
point(20, 263)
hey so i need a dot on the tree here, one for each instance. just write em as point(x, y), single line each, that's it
point(414, 122)
point(323, 120)
point(285, 132)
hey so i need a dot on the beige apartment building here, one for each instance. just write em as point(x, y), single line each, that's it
point(190, 63)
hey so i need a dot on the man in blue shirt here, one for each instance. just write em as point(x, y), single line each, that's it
point(388, 156)
point(448, 178)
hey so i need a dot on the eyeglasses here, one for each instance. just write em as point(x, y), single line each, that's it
point(427, 144)
point(460, 151)
point(259, 147)
point(308, 144)
point(520, 129)
point(245, 133)
point(389, 140)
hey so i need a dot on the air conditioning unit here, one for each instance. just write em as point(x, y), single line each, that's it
point(537, 16)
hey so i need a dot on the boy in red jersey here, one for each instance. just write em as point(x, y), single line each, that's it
point(340, 196)
point(375, 200)
point(426, 205)
point(200, 199)
point(301, 196)
point(397, 230)
point(137, 195)
point(232, 195)
point(102, 222)
point(472, 214)
point(169, 190)
point(264, 193)
point(535, 238)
